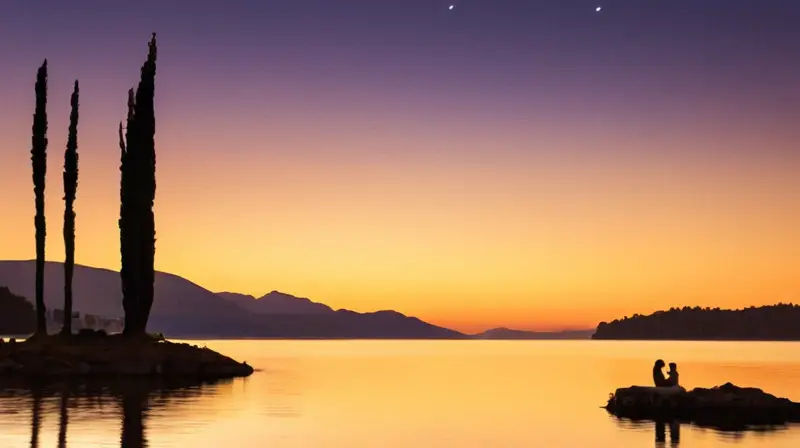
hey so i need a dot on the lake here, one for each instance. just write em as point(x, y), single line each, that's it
point(408, 394)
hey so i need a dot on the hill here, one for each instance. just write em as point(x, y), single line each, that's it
point(180, 306)
point(508, 334)
point(299, 317)
point(184, 309)
point(766, 323)
point(276, 303)
point(17, 315)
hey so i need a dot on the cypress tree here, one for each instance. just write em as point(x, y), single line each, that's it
point(146, 130)
point(137, 195)
point(127, 234)
point(70, 190)
point(39, 163)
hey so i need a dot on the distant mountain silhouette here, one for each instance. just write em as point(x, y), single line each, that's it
point(299, 317)
point(180, 306)
point(352, 325)
point(184, 309)
point(766, 323)
point(508, 334)
point(276, 303)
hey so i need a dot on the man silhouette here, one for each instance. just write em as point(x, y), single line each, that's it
point(672, 378)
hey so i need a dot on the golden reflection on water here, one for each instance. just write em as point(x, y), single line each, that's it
point(405, 394)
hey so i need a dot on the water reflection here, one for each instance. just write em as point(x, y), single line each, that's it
point(134, 414)
point(362, 394)
point(134, 401)
point(36, 414)
point(668, 433)
point(63, 418)
point(674, 433)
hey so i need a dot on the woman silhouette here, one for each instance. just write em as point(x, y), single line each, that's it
point(658, 374)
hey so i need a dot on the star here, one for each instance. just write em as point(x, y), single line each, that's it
point(451, 7)
point(599, 8)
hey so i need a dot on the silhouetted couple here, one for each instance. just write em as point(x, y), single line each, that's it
point(658, 375)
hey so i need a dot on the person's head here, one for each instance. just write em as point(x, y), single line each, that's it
point(659, 364)
point(673, 366)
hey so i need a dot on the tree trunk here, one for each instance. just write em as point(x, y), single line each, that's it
point(39, 162)
point(70, 190)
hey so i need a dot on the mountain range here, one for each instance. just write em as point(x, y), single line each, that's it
point(276, 303)
point(184, 309)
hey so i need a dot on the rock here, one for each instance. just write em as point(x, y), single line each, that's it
point(83, 368)
point(116, 356)
point(134, 368)
point(726, 406)
point(8, 366)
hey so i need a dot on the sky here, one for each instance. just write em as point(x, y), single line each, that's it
point(532, 164)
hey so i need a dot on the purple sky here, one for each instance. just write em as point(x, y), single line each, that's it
point(382, 143)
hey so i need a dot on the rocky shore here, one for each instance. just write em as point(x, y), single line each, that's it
point(115, 356)
point(725, 407)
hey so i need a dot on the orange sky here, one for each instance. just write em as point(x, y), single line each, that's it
point(496, 168)
point(527, 241)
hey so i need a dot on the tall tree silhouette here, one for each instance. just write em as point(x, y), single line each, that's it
point(127, 234)
point(70, 190)
point(137, 195)
point(146, 127)
point(39, 162)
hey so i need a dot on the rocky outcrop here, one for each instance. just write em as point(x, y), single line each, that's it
point(727, 406)
point(115, 356)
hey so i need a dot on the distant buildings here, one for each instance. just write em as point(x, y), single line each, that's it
point(55, 320)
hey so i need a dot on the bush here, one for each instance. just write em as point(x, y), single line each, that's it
point(89, 333)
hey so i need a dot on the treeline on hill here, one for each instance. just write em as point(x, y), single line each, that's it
point(17, 315)
point(765, 323)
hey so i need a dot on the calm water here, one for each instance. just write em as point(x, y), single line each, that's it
point(406, 394)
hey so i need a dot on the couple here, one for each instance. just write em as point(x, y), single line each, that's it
point(658, 375)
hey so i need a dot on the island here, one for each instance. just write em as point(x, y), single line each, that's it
point(93, 352)
point(765, 323)
point(726, 407)
point(97, 355)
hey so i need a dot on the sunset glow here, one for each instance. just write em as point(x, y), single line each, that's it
point(487, 178)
